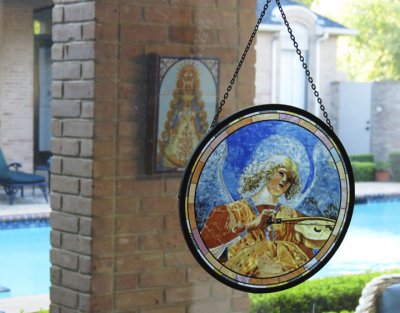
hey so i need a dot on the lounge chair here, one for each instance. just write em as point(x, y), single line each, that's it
point(15, 180)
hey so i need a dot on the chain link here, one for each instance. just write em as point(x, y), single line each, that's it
point(298, 51)
point(236, 73)
point(304, 64)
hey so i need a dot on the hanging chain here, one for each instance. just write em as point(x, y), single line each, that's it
point(305, 67)
point(246, 50)
point(236, 73)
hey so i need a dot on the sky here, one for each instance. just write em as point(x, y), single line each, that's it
point(329, 8)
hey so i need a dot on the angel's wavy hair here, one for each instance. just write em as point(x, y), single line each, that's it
point(257, 174)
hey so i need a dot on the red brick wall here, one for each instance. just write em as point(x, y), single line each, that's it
point(141, 262)
point(113, 225)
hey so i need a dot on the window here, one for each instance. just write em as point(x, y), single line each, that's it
point(42, 124)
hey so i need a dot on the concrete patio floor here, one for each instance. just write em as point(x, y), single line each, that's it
point(30, 205)
point(377, 188)
point(26, 304)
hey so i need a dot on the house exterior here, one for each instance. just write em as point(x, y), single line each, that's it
point(25, 80)
point(116, 242)
point(280, 77)
point(356, 110)
point(367, 117)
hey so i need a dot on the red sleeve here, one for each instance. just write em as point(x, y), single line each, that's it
point(216, 231)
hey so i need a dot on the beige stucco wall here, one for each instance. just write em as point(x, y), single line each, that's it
point(328, 73)
point(16, 80)
point(321, 50)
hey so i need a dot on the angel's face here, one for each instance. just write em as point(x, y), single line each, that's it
point(279, 182)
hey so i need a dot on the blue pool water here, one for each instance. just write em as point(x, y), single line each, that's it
point(25, 261)
point(372, 242)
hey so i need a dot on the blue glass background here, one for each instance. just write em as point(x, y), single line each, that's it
point(320, 183)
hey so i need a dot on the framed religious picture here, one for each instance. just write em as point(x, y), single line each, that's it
point(183, 102)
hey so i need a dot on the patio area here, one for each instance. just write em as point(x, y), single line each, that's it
point(26, 304)
point(31, 206)
point(377, 189)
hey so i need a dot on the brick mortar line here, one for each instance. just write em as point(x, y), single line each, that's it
point(115, 154)
point(72, 80)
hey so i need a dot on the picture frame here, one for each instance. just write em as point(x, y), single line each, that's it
point(182, 103)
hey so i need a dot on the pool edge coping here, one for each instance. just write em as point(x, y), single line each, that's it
point(24, 217)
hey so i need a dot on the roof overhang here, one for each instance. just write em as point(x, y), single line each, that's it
point(338, 31)
point(320, 28)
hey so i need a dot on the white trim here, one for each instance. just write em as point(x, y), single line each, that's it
point(270, 27)
point(323, 37)
point(340, 31)
point(320, 30)
point(274, 68)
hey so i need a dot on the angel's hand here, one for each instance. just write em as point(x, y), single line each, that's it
point(262, 221)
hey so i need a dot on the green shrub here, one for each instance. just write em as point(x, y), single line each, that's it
point(331, 294)
point(394, 160)
point(363, 171)
point(343, 311)
point(382, 165)
point(362, 158)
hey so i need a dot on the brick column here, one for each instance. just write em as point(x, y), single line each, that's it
point(118, 247)
point(71, 167)
point(140, 259)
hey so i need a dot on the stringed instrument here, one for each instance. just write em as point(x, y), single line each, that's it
point(312, 231)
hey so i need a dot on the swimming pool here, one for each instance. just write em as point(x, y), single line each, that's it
point(24, 258)
point(372, 241)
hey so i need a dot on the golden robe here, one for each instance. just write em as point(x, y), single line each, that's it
point(259, 253)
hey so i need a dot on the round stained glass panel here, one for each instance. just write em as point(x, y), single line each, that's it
point(266, 198)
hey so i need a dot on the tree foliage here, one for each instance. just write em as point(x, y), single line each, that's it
point(308, 3)
point(374, 54)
